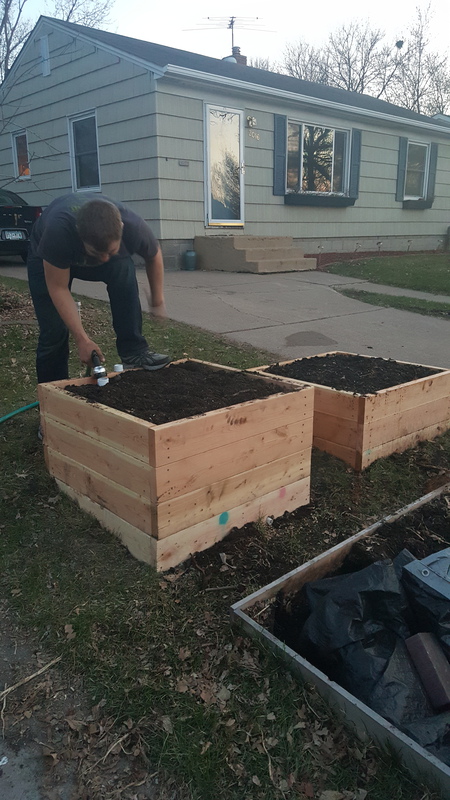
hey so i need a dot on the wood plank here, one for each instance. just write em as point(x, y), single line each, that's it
point(340, 404)
point(124, 432)
point(202, 433)
point(216, 499)
point(395, 426)
point(107, 494)
point(193, 472)
point(141, 545)
point(177, 548)
point(399, 445)
point(334, 429)
point(350, 455)
point(117, 466)
point(408, 396)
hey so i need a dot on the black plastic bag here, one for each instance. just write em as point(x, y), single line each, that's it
point(355, 634)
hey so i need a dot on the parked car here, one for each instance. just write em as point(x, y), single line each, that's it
point(16, 220)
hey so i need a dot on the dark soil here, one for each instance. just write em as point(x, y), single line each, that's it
point(352, 373)
point(178, 391)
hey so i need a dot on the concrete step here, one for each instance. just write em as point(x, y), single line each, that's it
point(282, 265)
point(271, 253)
point(243, 242)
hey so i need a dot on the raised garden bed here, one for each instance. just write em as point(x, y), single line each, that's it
point(366, 408)
point(218, 448)
point(275, 613)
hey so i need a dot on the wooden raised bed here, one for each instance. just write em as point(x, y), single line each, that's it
point(254, 614)
point(174, 489)
point(360, 428)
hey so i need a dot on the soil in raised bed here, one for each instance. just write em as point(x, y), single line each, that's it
point(180, 390)
point(352, 373)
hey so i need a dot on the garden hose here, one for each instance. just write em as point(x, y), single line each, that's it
point(18, 411)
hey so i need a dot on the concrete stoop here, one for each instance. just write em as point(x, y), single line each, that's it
point(263, 254)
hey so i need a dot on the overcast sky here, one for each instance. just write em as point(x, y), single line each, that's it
point(262, 29)
point(184, 23)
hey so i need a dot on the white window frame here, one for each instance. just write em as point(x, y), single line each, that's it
point(346, 170)
point(425, 174)
point(15, 137)
point(72, 155)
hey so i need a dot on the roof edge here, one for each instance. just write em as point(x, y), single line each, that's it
point(255, 88)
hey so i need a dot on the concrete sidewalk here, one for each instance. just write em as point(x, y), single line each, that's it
point(293, 314)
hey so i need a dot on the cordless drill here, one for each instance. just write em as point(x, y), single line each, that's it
point(99, 371)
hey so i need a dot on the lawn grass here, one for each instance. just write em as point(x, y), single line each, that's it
point(214, 711)
point(427, 272)
point(428, 308)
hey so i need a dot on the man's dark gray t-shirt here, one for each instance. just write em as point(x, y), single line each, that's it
point(55, 239)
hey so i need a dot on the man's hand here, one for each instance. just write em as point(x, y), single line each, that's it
point(85, 349)
point(157, 311)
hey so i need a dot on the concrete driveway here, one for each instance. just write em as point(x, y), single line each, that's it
point(293, 314)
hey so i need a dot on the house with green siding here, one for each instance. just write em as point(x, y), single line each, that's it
point(212, 151)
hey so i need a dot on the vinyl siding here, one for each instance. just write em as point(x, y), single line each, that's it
point(151, 142)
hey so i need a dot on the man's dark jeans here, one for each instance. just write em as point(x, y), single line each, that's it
point(119, 275)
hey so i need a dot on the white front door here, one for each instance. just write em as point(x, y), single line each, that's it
point(225, 167)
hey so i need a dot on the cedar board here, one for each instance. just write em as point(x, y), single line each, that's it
point(359, 429)
point(171, 490)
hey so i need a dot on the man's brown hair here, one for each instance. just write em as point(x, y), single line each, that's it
point(98, 224)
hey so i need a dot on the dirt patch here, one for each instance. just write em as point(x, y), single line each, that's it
point(15, 308)
point(55, 744)
point(178, 391)
point(352, 373)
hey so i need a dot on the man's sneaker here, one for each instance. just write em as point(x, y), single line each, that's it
point(146, 360)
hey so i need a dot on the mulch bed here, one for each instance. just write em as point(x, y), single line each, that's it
point(352, 373)
point(178, 391)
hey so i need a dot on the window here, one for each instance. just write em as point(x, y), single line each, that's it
point(316, 159)
point(84, 152)
point(416, 168)
point(314, 164)
point(20, 156)
point(416, 174)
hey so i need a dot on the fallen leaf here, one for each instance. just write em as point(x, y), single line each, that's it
point(69, 631)
point(205, 748)
point(271, 716)
point(256, 780)
point(331, 795)
point(167, 724)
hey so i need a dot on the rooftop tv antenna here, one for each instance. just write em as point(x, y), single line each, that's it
point(241, 23)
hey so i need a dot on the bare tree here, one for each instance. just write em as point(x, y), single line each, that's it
point(306, 62)
point(359, 58)
point(14, 29)
point(91, 13)
point(15, 26)
point(355, 58)
point(422, 82)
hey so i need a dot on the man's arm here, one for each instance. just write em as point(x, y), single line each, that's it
point(58, 288)
point(155, 274)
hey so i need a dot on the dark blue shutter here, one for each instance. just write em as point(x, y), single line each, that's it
point(279, 154)
point(401, 168)
point(432, 172)
point(355, 161)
